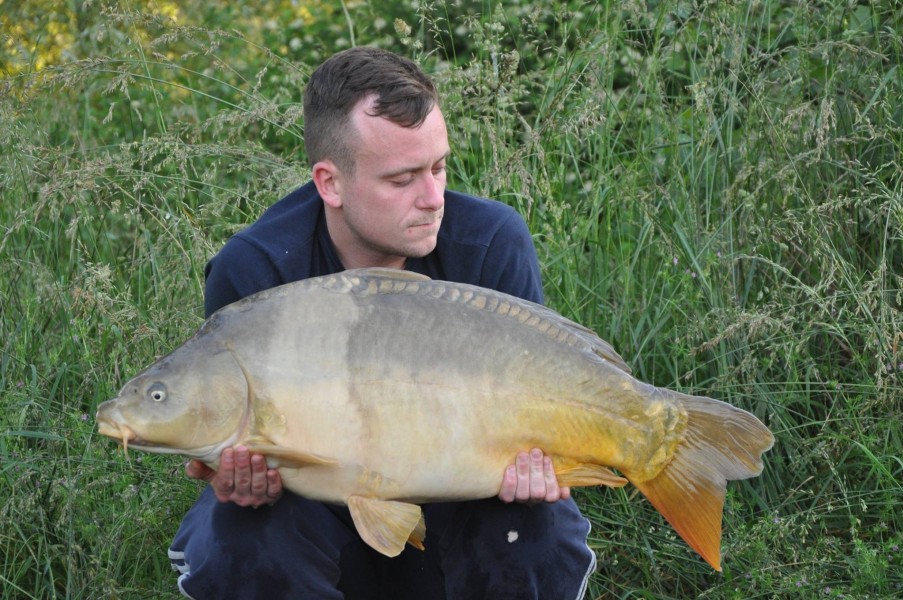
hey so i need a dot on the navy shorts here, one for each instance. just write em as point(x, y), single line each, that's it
point(302, 549)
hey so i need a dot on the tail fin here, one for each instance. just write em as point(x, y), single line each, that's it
point(721, 443)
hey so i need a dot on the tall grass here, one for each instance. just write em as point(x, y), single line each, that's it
point(713, 187)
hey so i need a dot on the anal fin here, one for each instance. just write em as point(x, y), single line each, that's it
point(585, 474)
point(386, 525)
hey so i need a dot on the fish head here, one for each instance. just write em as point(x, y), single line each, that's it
point(191, 402)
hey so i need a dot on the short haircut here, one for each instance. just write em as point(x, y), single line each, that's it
point(403, 94)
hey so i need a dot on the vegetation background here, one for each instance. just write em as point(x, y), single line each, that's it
point(714, 187)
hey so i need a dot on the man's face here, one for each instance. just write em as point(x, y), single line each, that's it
point(392, 205)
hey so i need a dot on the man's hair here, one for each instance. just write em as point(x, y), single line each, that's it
point(403, 94)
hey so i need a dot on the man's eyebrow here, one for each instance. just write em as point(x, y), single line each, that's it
point(406, 170)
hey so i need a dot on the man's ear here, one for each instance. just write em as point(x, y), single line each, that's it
point(326, 177)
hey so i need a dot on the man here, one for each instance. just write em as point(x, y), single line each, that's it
point(377, 142)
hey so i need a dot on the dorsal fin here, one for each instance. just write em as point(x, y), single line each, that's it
point(386, 273)
point(375, 281)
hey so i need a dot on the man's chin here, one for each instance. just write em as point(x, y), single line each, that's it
point(421, 248)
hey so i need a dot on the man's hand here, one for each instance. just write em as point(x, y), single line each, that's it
point(242, 478)
point(532, 479)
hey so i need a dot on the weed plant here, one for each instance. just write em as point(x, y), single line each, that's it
point(714, 187)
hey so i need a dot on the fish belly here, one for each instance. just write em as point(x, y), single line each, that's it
point(412, 431)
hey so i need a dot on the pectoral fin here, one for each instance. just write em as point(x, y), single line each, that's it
point(386, 524)
point(588, 474)
point(283, 457)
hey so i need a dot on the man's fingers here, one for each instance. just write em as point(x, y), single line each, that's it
point(532, 478)
point(250, 479)
point(274, 485)
point(258, 476)
point(222, 481)
point(242, 478)
point(522, 465)
point(553, 491)
point(242, 471)
point(509, 485)
point(227, 461)
point(537, 476)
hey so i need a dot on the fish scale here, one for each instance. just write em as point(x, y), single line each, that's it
point(384, 390)
point(482, 299)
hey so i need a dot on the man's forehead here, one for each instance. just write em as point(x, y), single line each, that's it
point(390, 142)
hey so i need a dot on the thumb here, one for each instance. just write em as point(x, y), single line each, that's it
point(198, 470)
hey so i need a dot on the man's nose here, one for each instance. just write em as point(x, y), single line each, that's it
point(432, 193)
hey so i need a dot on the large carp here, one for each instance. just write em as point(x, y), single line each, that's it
point(383, 390)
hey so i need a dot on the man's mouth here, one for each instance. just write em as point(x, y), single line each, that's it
point(433, 220)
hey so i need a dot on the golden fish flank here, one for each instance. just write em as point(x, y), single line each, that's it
point(383, 390)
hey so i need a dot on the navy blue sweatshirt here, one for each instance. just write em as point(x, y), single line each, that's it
point(481, 242)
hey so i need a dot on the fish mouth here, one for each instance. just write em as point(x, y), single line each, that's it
point(119, 431)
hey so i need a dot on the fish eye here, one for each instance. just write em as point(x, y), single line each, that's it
point(157, 392)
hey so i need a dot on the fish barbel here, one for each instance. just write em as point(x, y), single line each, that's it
point(384, 390)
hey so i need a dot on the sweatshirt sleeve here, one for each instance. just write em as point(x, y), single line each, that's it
point(511, 264)
point(238, 270)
